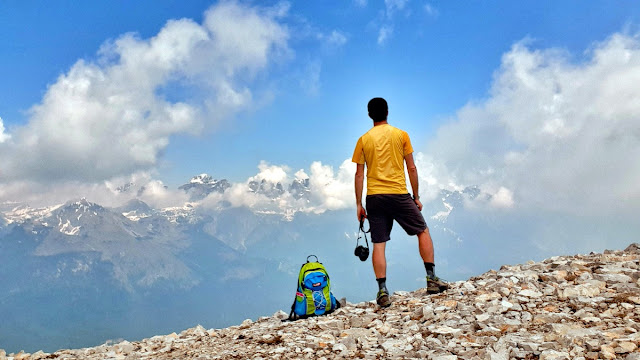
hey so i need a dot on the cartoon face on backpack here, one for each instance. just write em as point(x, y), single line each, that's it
point(315, 279)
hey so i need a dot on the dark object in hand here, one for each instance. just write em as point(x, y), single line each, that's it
point(361, 252)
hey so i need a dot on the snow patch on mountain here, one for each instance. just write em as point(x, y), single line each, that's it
point(180, 214)
point(23, 213)
point(135, 210)
point(201, 179)
point(67, 228)
point(442, 215)
point(134, 216)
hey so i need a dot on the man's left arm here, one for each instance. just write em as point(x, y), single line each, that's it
point(413, 178)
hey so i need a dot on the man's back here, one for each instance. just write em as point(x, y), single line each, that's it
point(383, 149)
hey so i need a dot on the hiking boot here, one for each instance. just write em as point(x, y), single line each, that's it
point(383, 298)
point(435, 285)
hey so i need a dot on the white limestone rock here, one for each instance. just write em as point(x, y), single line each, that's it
point(566, 307)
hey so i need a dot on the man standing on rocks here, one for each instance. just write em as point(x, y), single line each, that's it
point(384, 150)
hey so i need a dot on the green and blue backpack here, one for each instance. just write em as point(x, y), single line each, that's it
point(313, 294)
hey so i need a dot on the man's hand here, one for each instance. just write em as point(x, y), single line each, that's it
point(362, 214)
point(418, 203)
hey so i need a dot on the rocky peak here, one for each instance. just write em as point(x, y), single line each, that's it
point(24, 213)
point(565, 307)
point(80, 208)
point(125, 188)
point(135, 205)
point(201, 179)
point(202, 185)
point(135, 209)
point(299, 188)
point(267, 188)
point(456, 198)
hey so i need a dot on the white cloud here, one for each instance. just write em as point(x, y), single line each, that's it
point(336, 38)
point(330, 190)
point(271, 173)
point(159, 196)
point(361, 3)
point(301, 175)
point(330, 41)
point(430, 10)
point(433, 177)
point(3, 137)
point(384, 33)
point(36, 194)
point(108, 193)
point(386, 18)
point(503, 198)
point(111, 117)
point(559, 135)
point(394, 5)
point(310, 79)
point(245, 38)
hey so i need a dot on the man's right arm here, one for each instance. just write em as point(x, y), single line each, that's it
point(359, 184)
point(358, 158)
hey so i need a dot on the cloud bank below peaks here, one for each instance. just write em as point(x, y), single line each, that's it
point(114, 115)
point(276, 190)
point(553, 134)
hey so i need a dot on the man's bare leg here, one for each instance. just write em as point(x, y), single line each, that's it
point(380, 269)
point(379, 260)
point(425, 244)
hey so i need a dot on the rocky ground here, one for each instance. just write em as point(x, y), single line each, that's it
point(565, 307)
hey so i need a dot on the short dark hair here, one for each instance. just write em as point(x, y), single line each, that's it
point(378, 109)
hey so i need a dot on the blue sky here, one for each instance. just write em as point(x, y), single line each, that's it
point(95, 93)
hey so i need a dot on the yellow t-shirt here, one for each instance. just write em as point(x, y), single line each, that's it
point(383, 149)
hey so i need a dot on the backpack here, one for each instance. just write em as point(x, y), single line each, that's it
point(313, 294)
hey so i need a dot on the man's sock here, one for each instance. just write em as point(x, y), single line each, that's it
point(429, 268)
point(382, 283)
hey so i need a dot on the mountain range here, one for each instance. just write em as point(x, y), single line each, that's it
point(78, 274)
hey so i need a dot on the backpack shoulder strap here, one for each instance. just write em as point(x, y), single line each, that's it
point(292, 315)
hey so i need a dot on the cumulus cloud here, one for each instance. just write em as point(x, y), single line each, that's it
point(332, 190)
point(431, 11)
point(394, 5)
point(433, 177)
point(300, 175)
point(334, 39)
point(328, 189)
point(3, 137)
point(113, 193)
point(114, 116)
point(310, 79)
point(337, 38)
point(384, 33)
point(309, 76)
point(502, 198)
point(156, 194)
point(553, 134)
point(386, 18)
point(271, 173)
